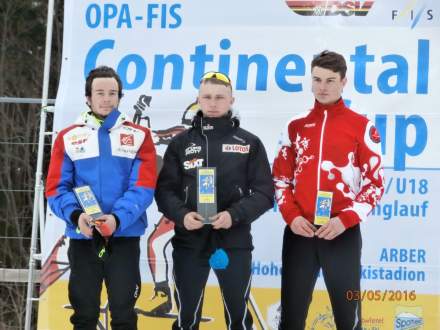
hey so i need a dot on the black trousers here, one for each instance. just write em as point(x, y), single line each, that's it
point(340, 260)
point(120, 272)
point(191, 270)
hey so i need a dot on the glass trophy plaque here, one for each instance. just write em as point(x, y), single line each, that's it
point(88, 201)
point(206, 193)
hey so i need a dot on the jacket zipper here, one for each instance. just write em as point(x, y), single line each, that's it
point(321, 142)
point(207, 144)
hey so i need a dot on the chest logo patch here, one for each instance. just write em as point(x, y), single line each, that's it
point(192, 149)
point(374, 135)
point(193, 163)
point(126, 139)
point(237, 148)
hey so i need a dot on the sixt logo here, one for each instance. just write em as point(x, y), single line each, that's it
point(408, 318)
point(193, 163)
point(330, 8)
point(413, 13)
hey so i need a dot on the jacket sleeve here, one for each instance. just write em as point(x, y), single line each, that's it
point(169, 186)
point(260, 196)
point(142, 181)
point(283, 173)
point(59, 183)
point(372, 180)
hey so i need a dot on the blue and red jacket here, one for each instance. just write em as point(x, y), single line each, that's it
point(116, 159)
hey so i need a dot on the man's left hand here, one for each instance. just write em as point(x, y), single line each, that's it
point(331, 229)
point(221, 220)
point(106, 225)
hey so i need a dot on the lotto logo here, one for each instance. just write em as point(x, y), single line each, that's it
point(236, 148)
point(127, 139)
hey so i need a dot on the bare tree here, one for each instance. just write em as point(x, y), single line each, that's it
point(22, 40)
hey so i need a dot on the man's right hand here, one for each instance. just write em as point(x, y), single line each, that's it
point(192, 221)
point(301, 226)
point(84, 225)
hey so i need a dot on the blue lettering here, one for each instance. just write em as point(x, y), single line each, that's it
point(163, 18)
point(140, 71)
point(401, 147)
point(199, 58)
point(360, 59)
point(93, 53)
point(224, 60)
point(110, 11)
point(400, 72)
point(124, 17)
point(174, 14)
point(392, 80)
point(93, 16)
point(160, 62)
point(282, 71)
point(151, 15)
point(422, 67)
point(244, 61)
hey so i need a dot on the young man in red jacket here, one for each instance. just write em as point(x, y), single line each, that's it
point(328, 177)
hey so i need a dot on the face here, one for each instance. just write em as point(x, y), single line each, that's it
point(214, 100)
point(104, 96)
point(327, 85)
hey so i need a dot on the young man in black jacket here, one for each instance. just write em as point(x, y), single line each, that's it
point(244, 191)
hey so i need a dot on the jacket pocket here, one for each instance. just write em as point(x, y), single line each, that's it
point(236, 194)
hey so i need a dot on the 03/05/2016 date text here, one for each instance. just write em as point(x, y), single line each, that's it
point(381, 295)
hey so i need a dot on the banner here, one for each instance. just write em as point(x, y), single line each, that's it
point(161, 48)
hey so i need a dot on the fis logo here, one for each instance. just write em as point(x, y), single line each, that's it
point(408, 318)
point(193, 163)
point(414, 11)
point(330, 7)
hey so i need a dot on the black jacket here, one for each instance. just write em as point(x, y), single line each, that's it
point(244, 182)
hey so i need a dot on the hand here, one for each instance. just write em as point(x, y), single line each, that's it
point(221, 220)
point(192, 221)
point(331, 229)
point(303, 227)
point(106, 225)
point(84, 225)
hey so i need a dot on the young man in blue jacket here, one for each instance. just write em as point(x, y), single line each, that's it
point(117, 159)
point(244, 191)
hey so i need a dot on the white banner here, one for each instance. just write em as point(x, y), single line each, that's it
point(161, 48)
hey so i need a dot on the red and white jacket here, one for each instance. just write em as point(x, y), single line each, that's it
point(331, 148)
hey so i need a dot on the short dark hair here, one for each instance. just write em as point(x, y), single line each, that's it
point(102, 72)
point(331, 61)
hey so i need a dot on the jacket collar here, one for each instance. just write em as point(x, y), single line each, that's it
point(112, 121)
point(215, 126)
point(332, 109)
